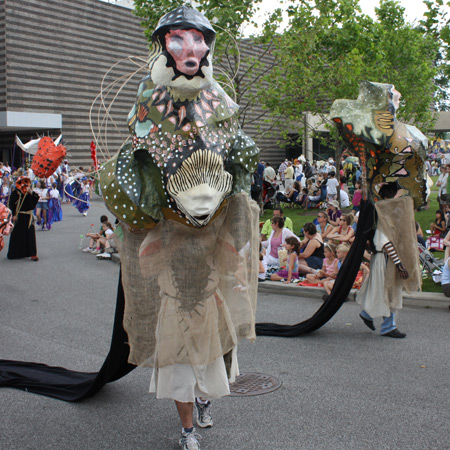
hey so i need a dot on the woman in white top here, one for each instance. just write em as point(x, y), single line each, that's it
point(276, 240)
point(42, 206)
point(54, 213)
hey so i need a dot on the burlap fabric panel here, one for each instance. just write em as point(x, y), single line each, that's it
point(190, 293)
point(395, 217)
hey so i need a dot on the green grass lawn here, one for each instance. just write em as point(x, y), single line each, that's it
point(425, 217)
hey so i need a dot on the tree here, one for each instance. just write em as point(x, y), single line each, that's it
point(437, 24)
point(329, 46)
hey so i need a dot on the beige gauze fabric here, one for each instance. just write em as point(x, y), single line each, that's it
point(395, 218)
point(190, 293)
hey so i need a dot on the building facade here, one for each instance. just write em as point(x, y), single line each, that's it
point(54, 56)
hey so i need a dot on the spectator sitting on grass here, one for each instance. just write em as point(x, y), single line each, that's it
point(329, 268)
point(293, 248)
point(267, 227)
point(341, 253)
point(333, 213)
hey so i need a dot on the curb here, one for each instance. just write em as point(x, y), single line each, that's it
point(414, 299)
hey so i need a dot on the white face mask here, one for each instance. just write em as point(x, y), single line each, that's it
point(199, 203)
point(200, 185)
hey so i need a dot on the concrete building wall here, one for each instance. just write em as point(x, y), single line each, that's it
point(2, 57)
point(256, 122)
point(57, 52)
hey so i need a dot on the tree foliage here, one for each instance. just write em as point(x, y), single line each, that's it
point(329, 46)
point(436, 22)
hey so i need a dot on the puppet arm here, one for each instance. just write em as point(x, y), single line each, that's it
point(392, 253)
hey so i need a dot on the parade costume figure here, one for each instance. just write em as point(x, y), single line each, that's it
point(389, 152)
point(188, 235)
point(82, 202)
point(22, 242)
point(54, 213)
point(5, 223)
point(393, 158)
point(181, 193)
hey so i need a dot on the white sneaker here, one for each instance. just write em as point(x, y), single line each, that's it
point(189, 441)
point(85, 214)
point(104, 256)
point(87, 249)
point(204, 419)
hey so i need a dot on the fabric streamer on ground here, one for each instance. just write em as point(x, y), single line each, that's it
point(70, 385)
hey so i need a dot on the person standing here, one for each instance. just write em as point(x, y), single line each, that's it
point(22, 202)
point(442, 184)
point(289, 176)
point(42, 206)
point(394, 265)
point(82, 202)
point(332, 186)
point(281, 169)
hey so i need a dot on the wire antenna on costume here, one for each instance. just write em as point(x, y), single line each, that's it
point(100, 113)
point(223, 72)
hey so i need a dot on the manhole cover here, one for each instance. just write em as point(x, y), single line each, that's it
point(254, 384)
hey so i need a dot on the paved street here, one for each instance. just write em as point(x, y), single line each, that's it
point(344, 387)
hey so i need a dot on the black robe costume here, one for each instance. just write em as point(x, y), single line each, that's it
point(22, 242)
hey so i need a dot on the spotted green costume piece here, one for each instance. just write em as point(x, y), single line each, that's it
point(165, 133)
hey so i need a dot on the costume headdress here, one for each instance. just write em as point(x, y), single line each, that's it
point(48, 157)
point(186, 142)
point(388, 150)
point(23, 183)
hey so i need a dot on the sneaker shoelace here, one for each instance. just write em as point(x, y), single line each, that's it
point(191, 438)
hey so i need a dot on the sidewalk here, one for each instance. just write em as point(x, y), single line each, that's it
point(414, 299)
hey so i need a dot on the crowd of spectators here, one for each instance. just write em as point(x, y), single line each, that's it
point(318, 255)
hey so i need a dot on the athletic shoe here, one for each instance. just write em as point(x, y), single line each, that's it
point(189, 440)
point(368, 322)
point(87, 249)
point(95, 251)
point(85, 214)
point(204, 419)
point(104, 256)
point(34, 258)
point(395, 334)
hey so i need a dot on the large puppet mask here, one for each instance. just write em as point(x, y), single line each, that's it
point(388, 150)
point(181, 57)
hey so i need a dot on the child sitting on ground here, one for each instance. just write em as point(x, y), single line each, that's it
point(292, 246)
point(341, 253)
point(107, 242)
point(94, 245)
point(329, 268)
